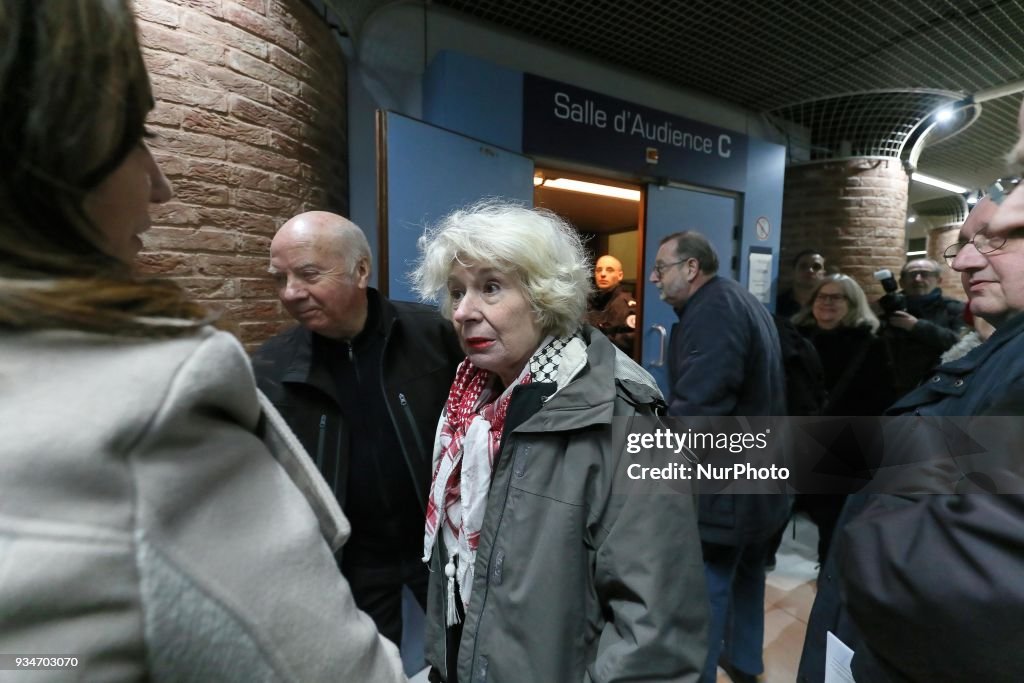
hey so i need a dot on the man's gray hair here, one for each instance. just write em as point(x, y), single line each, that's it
point(691, 244)
point(540, 250)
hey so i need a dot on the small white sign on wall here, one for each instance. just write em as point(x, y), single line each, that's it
point(760, 282)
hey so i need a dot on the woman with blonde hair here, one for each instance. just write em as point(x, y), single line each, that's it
point(156, 521)
point(543, 567)
point(840, 324)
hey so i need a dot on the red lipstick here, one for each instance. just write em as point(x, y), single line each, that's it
point(478, 343)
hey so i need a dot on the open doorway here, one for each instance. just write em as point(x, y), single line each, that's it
point(609, 215)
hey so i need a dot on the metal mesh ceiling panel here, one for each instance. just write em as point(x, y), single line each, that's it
point(773, 54)
point(976, 156)
point(943, 210)
point(867, 124)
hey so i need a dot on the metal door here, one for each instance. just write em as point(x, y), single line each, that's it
point(426, 172)
point(669, 210)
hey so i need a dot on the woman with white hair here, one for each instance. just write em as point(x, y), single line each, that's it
point(542, 570)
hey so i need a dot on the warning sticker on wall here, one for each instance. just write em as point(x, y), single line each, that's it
point(763, 228)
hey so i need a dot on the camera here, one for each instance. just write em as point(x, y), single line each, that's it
point(893, 300)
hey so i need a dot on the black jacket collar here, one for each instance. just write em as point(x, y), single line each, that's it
point(307, 369)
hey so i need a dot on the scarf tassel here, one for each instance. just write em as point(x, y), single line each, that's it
point(452, 613)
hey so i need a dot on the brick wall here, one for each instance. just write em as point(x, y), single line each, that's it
point(251, 129)
point(853, 211)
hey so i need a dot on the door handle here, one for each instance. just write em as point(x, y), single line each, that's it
point(660, 329)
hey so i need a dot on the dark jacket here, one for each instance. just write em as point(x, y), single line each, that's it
point(725, 359)
point(913, 353)
point(614, 313)
point(947, 606)
point(805, 378)
point(420, 356)
point(857, 376)
point(577, 579)
point(786, 304)
point(987, 381)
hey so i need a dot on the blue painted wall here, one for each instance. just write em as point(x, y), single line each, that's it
point(486, 101)
point(766, 169)
point(475, 98)
point(432, 171)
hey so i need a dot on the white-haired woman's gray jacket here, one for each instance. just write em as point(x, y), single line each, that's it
point(156, 527)
point(573, 584)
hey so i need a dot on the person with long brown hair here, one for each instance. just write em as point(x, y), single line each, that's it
point(157, 519)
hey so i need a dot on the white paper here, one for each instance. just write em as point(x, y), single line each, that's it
point(837, 661)
point(760, 277)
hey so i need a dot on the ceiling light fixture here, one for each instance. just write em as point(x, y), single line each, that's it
point(589, 188)
point(944, 115)
point(912, 219)
point(935, 182)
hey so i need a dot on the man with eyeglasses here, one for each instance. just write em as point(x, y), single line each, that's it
point(808, 270)
point(724, 359)
point(932, 583)
point(917, 337)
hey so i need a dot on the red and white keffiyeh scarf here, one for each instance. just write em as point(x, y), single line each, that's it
point(469, 438)
point(465, 451)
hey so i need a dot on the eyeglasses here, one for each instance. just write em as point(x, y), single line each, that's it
point(997, 192)
point(1001, 188)
point(659, 268)
point(983, 243)
point(914, 274)
point(830, 298)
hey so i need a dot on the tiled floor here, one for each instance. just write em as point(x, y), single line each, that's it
point(788, 597)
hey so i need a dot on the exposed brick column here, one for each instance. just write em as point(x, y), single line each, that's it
point(251, 129)
point(938, 239)
point(854, 211)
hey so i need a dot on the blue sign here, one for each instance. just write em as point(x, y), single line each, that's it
point(564, 121)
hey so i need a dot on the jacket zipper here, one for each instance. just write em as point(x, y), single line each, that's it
point(394, 422)
point(444, 607)
point(352, 360)
point(490, 560)
point(407, 409)
point(320, 442)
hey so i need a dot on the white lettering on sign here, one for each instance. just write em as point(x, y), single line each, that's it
point(630, 123)
point(586, 113)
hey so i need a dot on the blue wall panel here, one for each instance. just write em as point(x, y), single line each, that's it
point(766, 170)
point(475, 98)
point(430, 172)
